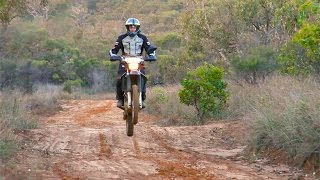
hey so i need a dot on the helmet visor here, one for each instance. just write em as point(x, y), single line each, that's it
point(132, 28)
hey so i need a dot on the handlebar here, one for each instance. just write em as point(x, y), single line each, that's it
point(120, 58)
point(115, 58)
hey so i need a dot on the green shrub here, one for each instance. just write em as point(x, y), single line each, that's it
point(71, 84)
point(255, 65)
point(169, 41)
point(204, 89)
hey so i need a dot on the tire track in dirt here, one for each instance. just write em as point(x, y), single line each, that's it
point(104, 152)
point(136, 146)
point(170, 169)
point(82, 118)
point(183, 168)
point(63, 174)
point(105, 149)
point(162, 142)
point(189, 157)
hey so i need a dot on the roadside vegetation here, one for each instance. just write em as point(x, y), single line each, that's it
point(287, 120)
point(283, 118)
point(266, 53)
point(20, 112)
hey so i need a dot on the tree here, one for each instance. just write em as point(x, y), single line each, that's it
point(10, 9)
point(38, 8)
point(300, 56)
point(209, 26)
point(222, 29)
point(204, 89)
point(293, 14)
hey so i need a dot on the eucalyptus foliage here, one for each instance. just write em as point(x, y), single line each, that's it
point(300, 56)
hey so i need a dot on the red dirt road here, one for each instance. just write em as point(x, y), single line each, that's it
point(87, 140)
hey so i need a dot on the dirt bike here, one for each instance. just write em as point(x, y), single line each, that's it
point(132, 84)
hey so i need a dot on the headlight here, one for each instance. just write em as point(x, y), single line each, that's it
point(133, 66)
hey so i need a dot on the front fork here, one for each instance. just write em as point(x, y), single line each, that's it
point(129, 97)
point(126, 83)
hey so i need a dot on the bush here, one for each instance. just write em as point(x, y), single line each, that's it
point(255, 65)
point(71, 84)
point(204, 89)
point(169, 41)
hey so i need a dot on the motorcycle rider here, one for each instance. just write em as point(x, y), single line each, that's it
point(131, 43)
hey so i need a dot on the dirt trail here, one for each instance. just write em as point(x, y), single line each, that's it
point(87, 140)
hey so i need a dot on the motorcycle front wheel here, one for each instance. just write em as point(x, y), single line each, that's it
point(135, 103)
point(129, 124)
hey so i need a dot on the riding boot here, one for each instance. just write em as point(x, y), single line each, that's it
point(119, 94)
point(143, 98)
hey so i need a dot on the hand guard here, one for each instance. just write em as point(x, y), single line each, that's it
point(151, 57)
point(114, 57)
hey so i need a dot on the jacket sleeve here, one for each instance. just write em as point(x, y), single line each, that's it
point(118, 45)
point(146, 44)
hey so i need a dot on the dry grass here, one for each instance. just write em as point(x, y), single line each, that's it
point(7, 142)
point(17, 113)
point(164, 101)
point(7, 138)
point(44, 100)
point(87, 93)
point(284, 116)
point(13, 112)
